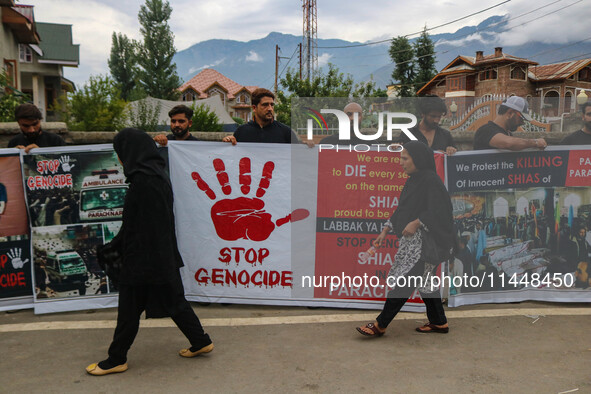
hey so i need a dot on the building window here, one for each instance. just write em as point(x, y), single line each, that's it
point(518, 72)
point(585, 75)
point(189, 95)
point(487, 73)
point(10, 71)
point(242, 99)
point(217, 92)
point(25, 53)
point(456, 84)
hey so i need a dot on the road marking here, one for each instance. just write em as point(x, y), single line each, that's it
point(278, 320)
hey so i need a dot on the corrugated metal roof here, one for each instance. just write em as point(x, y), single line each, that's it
point(56, 43)
point(557, 71)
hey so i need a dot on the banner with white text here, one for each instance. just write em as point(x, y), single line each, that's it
point(523, 221)
point(75, 198)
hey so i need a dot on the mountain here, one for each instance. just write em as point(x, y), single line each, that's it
point(252, 63)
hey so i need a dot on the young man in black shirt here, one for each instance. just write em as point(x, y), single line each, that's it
point(583, 136)
point(180, 122)
point(264, 128)
point(497, 134)
point(432, 108)
point(29, 118)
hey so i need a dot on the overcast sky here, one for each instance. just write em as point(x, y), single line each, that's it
point(192, 21)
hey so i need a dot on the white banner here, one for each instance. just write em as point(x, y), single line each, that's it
point(233, 212)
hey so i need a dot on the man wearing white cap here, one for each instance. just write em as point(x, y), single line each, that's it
point(497, 134)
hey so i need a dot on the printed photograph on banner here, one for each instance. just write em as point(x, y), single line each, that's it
point(234, 219)
point(15, 269)
point(65, 263)
point(13, 212)
point(77, 187)
point(523, 239)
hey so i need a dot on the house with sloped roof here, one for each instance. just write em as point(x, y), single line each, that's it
point(550, 89)
point(236, 98)
point(35, 54)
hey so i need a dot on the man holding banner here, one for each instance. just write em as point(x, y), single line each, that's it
point(497, 134)
point(29, 118)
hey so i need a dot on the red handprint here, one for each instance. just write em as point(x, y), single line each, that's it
point(244, 217)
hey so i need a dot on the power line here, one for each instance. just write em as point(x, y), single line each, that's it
point(412, 34)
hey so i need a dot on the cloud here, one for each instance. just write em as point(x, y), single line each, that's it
point(463, 41)
point(216, 63)
point(324, 59)
point(253, 57)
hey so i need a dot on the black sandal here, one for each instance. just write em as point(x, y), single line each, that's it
point(427, 328)
point(376, 331)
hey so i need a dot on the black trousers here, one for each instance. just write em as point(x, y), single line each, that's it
point(398, 296)
point(133, 301)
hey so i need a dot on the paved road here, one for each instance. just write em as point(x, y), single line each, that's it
point(510, 348)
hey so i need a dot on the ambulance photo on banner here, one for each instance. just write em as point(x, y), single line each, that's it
point(15, 260)
point(75, 199)
point(523, 221)
point(234, 220)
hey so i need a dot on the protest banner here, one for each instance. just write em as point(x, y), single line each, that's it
point(15, 259)
point(523, 219)
point(75, 198)
point(234, 217)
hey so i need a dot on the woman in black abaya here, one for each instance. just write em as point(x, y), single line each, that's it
point(424, 210)
point(150, 278)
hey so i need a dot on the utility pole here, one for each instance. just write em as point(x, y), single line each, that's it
point(300, 46)
point(276, 67)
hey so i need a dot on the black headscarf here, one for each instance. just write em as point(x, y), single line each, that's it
point(138, 153)
point(425, 197)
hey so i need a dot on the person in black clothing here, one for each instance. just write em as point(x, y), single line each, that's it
point(350, 110)
point(149, 278)
point(583, 136)
point(264, 128)
point(428, 131)
point(29, 118)
point(497, 134)
point(180, 122)
point(424, 213)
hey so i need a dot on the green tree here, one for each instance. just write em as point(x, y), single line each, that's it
point(425, 59)
point(143, 115)
point(9, 98)
point(402, 54)
point(332, 84)
point(98, 106)
point(204, 119)
point(122, 64)
point(157, 75)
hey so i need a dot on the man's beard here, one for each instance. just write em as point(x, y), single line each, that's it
point(179, 133)
point(587, 125)
point(32, 137)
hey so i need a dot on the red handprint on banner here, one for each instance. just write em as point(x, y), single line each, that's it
point(244, 217)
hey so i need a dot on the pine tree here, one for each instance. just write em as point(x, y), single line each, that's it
point(402, 54)
point(122, 64)
point(425, 59)
point(158, 76)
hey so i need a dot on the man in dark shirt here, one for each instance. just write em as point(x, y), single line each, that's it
point(498, 133)
point(29, 118)
point(181, 120)
point(264, 128)
point(432, 108)
point(350, 110)
point(583, 136)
